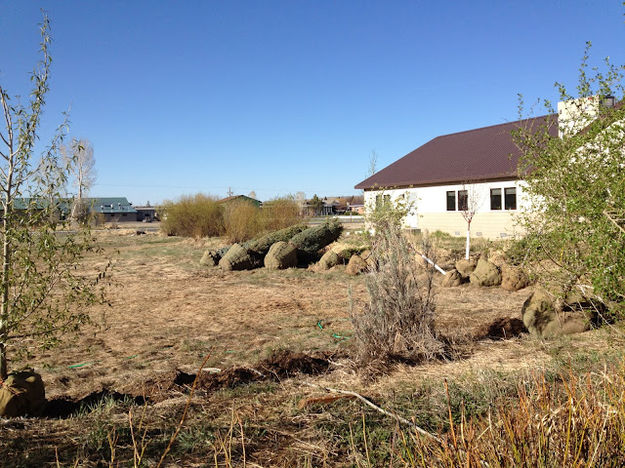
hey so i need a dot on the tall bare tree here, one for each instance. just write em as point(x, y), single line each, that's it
point(78, 157)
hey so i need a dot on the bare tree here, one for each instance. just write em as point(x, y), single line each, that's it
point(78, 157)
point(469, 201)
point(373, 162)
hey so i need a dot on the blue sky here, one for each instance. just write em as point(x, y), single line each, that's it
point(287, 96)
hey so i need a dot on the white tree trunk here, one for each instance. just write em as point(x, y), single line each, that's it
point(468, 245)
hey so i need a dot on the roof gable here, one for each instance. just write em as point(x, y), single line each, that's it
point(487, 153)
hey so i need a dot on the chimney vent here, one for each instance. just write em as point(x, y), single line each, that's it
point(608, 102)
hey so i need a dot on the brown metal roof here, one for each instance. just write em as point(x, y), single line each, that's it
point(487, 153)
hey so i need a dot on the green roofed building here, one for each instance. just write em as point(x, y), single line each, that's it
point(240, 198)
point(109, 209)
point(113, 209)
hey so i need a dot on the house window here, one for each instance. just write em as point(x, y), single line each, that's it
point(451, 201)
point(495, 199)
point(510, 198)
point(382, 201)
point(463, 200)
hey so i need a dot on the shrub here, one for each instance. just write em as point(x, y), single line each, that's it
point(193, 216)
point(245, 221)
point(242, 221)
point(280, 213)
point(398, 321)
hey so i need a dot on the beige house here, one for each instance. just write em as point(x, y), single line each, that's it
point(471, 170)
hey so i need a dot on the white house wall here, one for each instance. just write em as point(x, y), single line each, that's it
point(430, 209)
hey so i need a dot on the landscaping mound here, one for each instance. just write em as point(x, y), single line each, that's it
point(501, 329)
point(280, 365)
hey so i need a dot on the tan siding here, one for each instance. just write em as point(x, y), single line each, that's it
point(491, 225)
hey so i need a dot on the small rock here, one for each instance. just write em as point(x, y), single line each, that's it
point(542, 319)
point(485, 274)
point(465, 267)
point(22, 393)
point(513, 278)
point(452, 278)
point(328, 260)
point(356, 265)
point(497, 258)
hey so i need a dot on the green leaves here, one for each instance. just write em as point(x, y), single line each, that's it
point(573, 180)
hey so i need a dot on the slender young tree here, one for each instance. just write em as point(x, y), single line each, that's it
point(469, 201)
point(39, 280)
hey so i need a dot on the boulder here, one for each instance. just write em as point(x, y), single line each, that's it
point(237, 258)
point(542, 319)
point(513, 278)
point(497, 257)
point(22, 393)
point(329, 259)
point(210, 258)
point(281, 255)
point(452, 278)
point(356, 265)
point(485, 274)
point(465, 267)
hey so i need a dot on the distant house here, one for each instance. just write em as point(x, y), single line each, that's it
point(109, 209)
point(112, 209)
point(240, 198)
point(146, 214)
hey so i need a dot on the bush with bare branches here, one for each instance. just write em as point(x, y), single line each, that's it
point(398, 322)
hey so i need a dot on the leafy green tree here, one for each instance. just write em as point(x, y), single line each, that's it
point(316, 204)
point(42, 292)
point(575, 178)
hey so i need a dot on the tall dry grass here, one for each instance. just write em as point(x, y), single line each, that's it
point(571, 420)
point(193, 216)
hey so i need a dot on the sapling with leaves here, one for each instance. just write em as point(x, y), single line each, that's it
point(469, 201)
point(42, 292)
point(575, 180)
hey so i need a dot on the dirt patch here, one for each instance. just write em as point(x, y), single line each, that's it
point(502, 328)
point(280, 365)
point(61, 408)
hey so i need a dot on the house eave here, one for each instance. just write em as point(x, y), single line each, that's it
point(437, 183)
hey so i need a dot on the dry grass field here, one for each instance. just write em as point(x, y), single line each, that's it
point(120, 388)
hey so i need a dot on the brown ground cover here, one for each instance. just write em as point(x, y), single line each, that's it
point(291, 327)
